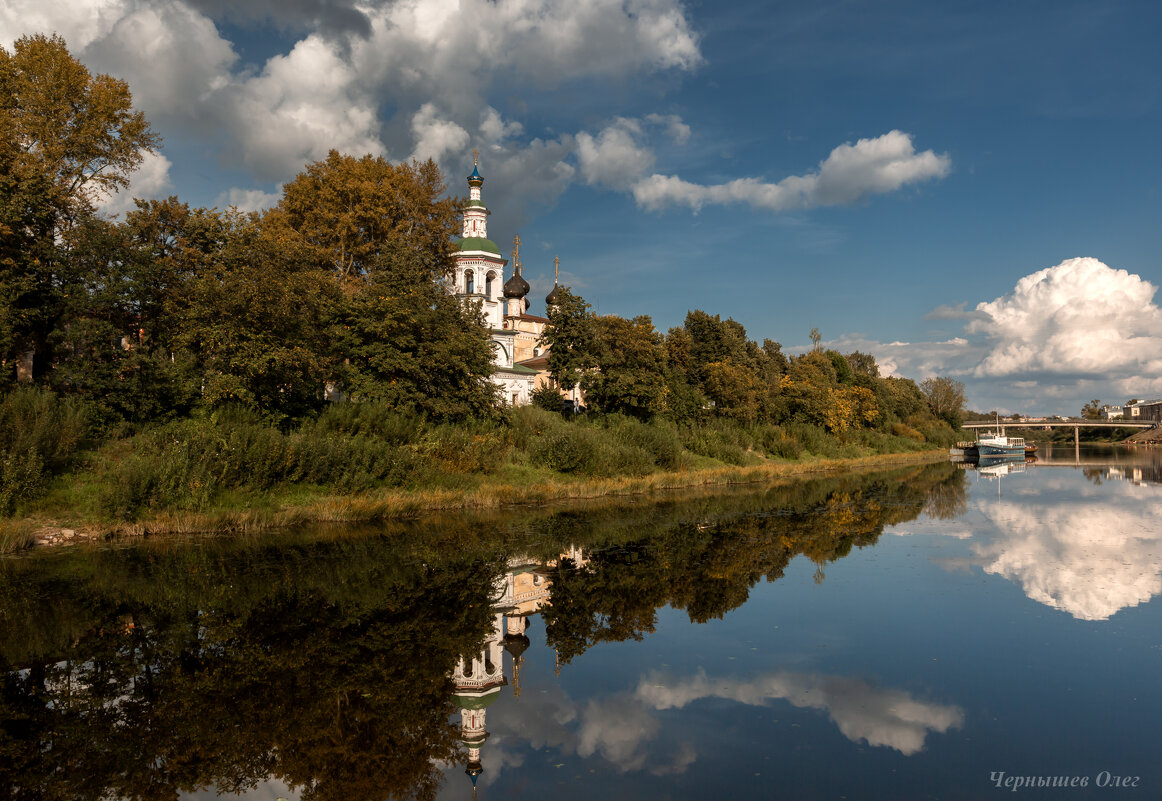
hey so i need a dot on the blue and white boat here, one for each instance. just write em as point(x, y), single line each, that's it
point(999, 445)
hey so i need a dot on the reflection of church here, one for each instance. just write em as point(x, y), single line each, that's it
point(478, 678)
point(519, 358)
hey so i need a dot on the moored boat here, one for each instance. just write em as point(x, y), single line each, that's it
point(999, 445)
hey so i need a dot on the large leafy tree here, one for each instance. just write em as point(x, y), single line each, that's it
point(77, 128)
point(945, 398)
point(67, 137)
point(571, 337)
point(382, 234)
point(358, 217)
point(631, 367)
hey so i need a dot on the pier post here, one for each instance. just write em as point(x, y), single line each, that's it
point(1077, 443)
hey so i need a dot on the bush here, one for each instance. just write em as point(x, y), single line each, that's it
point(564, 452)
point(547, 398)
point(39, 434)
point(184, 465)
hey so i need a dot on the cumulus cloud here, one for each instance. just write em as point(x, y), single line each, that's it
point(149, 182)
point(849, 174)
point(364, 93)
point(875, 715)
point(1087, 557)
point(1080, 318)
point(614, 157)
point(247, 199)
point(435, 136)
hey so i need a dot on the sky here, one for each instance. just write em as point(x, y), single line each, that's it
point(963, 189)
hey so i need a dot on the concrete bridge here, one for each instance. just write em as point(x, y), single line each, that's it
point(1075, 424)
point(992, 425)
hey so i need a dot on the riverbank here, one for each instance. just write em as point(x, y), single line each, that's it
point(507, 488)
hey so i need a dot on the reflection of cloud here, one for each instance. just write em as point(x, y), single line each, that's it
point(878, 716)
point(269, 790)
point(617, 730)
point(1088, 558)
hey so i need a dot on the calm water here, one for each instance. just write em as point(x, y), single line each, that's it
point(930, 632)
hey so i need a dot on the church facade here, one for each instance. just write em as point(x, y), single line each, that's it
point(478, 278)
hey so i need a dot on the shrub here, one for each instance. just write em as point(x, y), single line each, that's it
point(547, 398)
point(39, 434)
point(568, 451)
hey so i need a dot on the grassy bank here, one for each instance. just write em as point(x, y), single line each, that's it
point(231, 472)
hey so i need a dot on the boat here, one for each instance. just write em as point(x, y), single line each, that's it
point(1030, 448)
point(992, 444)
point(997, 467)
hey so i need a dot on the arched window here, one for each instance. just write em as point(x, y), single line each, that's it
point(488, 284)
point(469, 283)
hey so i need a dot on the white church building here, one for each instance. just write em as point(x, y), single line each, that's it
point(477, 278)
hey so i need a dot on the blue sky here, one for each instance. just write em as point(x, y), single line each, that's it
point(964, 189)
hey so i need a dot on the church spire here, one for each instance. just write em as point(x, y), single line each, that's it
point(516, 287)
point(475, 212)
point(551, 298)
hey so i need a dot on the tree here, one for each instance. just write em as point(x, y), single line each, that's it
point(863, 364)
point(358, 217)
point(630, 358)
point(77, 128)
point(1092, 410)
point(382, 233)
point(67, 137)
point(945, 397)
point(571, 338)
point(816, 338)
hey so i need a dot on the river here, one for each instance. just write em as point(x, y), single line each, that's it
point(928, 632)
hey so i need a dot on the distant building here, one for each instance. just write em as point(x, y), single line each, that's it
point(1111, 412)
point(1143, 411)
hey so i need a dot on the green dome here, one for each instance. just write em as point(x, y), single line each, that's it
point(475, 701)
point(478, 243)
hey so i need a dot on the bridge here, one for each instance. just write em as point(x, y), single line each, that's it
point(993, 425)
point(1076, 425)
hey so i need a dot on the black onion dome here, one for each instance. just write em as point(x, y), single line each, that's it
point(551, 298)
point(516, 644)
point(516, 287)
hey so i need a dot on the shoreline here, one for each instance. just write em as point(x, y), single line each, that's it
point(388, 504)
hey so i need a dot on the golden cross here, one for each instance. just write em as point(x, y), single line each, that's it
point(475, 157)
point(556, 268)
point(516, 253)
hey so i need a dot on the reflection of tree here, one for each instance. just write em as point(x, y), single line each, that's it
point(144, 672)
point(336, 683)
point(708, 569)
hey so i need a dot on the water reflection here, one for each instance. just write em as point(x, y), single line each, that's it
point(1070, 546)
point(1087, 556)
point(357, 666)
point(864, 713)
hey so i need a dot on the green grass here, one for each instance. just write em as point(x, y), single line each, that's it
point(231, 472)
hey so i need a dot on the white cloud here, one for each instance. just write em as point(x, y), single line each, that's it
point(329, 90)
point(614, 157)
point(678, 130)
point(878, 716)
point(1087, 557)
point(617, 731)
point(436, 137)
point(1078, 318)
point(149, 182)
point(849, 174)
point(79, 24)
point(247, 199)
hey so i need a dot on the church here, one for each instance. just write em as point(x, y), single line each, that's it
point(520, 359)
